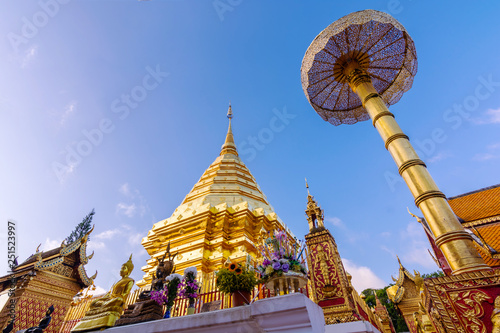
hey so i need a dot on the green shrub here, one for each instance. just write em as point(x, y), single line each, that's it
point(229, 281)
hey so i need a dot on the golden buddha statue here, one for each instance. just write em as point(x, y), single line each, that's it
point(104, 311)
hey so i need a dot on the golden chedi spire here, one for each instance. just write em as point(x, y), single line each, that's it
point(225, 215)
point(229, 147)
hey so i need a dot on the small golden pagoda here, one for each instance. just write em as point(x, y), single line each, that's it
point(330, 285)
point(225, 215)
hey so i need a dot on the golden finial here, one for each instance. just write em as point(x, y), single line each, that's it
point(229, 147)
point(307, 186)
point(400, 264)
point(230, 112)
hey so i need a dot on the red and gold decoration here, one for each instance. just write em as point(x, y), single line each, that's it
point(330, 287)
point(464, 303)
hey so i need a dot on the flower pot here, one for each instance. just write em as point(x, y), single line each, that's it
point(287, 282)
point(190, 311)
point(241, 297)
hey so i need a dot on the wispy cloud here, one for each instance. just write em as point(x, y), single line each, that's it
point(65, 170)
point(439, 157)
point(362, 276)
point(125, 190)
point(135, 239)
point(108, 234)
point(335, 221)
point(95, 245)
point(127, 210)
point(484, 157)
point(391, 252)
point(137, 206)
point(491, 153)
point(494, 146)
point(68, 111)
point(29, 56)
point(50, 244)
point(491, 116)
point(417, 245)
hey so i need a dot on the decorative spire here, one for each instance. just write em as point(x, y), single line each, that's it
point(229, 147)
point(314, 213)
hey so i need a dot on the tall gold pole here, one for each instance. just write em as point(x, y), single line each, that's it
point(451, 237)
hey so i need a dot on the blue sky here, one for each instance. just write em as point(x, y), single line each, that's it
point(71, 140)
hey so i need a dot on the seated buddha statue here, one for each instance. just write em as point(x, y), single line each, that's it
point(104, 311)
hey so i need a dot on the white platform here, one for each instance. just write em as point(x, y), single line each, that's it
point(294, 313)
point(353, 327)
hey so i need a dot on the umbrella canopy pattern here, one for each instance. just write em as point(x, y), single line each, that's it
point(378, 43)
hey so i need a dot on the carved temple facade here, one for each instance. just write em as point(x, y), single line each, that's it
point(468, 302)
point(46, 278)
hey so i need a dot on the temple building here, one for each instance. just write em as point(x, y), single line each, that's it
point(47, 278)
point(225, 216)
point(455, 302)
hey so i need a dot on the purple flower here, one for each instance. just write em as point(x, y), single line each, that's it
point(266, 262)
point(285, 267)
point(276, 265)
point(279, 235)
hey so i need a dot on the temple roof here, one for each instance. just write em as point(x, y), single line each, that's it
point(476, 205)
point(60, 256)
point(491, 235)
point(397, 291)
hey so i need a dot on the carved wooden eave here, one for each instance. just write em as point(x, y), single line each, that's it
point(63, 260)
point(405, 281)
point(47, 278)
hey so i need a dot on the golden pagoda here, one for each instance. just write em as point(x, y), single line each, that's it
point(224, 216)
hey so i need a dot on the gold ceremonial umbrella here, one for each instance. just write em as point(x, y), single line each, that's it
point(350, 72)
point(378, 43)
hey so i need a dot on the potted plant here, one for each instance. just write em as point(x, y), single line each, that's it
point(189, 288)
point(238, 281)
point(168, 295)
